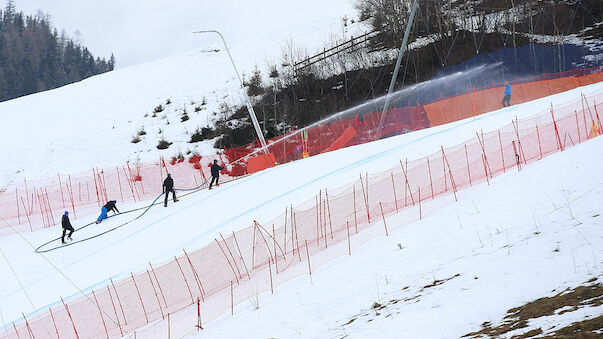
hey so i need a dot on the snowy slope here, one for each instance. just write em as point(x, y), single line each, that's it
point(500, 240)
point(198, 218)
point(92, 122)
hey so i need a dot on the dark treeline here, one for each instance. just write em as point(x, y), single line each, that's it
point(34, 57)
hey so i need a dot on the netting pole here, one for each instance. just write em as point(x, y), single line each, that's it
point(444, 175)
point(559, 144)
point(596, 113)
point(365, 200)
point(484, 159)
point(274, 244)
point(407, 186)
point(121, 193)
point(17, 332)
point(199, 325)
point(169, 325)
point(101, 313)
point(317, 221)
point(517, 162)
point(468, 170)
point(27, 193)
point(308, 255)
point(539, 146)
point(241, 254)
point(347, 224)
point(449, 173)
point(44, 220)
point(225, 256)
point(502, 157)
point(355, 215)
point(185, 281)
point(232, 256)
point(130, 183)
point(285, 235)
point(115, 311)
point(140, 298)
point(156, 295)
point(253, 249)
point(17, 201)
point(270, 270)
point(70, 191)
point(420, 211)
point(61, 189)
point(485, 168)
point(54, 322)
point(195, 275)
point(584, 117)
point(577, 127)
point(394, 187)
point(49, 207)
point(29, 331)
point(232, 297)
point(159, 285)
point(324, 221)
point(96, 186)
point(296, 237)
point(70, 318)
point(329, 211)
point(516, 125)
point(383, 216)
point(119, 301)
point(431, 181)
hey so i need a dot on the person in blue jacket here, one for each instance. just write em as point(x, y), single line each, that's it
point(109, 206)
point(506, 101)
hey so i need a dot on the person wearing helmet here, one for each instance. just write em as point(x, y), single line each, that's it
point(168, 186)
point(66, 227)
point(215, 173)
point(109, 206)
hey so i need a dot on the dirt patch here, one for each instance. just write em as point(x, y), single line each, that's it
point(566, 301)
point(440, 282)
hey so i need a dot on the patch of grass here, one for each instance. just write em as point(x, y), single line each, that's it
point(136, 139)
point(571, 300)
point(163, 144)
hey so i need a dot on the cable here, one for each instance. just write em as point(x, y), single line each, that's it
point(24, 292)
point(147, 208)
point(61, 273)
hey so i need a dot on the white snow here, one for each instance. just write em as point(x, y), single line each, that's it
point(434, 247)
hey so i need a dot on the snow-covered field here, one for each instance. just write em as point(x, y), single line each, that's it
point(92, 123)
point(511, 263)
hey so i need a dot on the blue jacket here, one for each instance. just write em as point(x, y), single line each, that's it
point(508, 89)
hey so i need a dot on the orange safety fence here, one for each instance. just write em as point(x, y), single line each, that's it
point(197, 287)
point(32, 205)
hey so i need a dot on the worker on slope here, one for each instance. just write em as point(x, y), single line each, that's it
point(215, 173)
point(168, 186)
point(109, 206)
point(507, 98)
point(66, 227)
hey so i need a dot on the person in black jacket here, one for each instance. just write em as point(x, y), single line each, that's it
point(109, 206)
point(215, 173)
point(66, 227)
point(168, 186)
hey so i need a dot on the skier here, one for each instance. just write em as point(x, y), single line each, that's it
point(109, 206)
point(507, 98)
point(168, 186)
point(66, 227)
point(215, 173)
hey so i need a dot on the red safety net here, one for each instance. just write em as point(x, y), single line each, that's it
point(204, 284)
point(33, 205)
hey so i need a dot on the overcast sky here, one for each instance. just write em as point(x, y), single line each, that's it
point(139, 31)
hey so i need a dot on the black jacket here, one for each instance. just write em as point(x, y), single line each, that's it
point(215, 170)
point(66, 223)
point(168, 184)
point(110, 206)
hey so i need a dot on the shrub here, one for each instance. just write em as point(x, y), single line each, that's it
point(158, 109)
point(163, 144)
point(168, 101)
point(136, 139)
point(141, 131)
point(184, 116)
point(198, 108)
